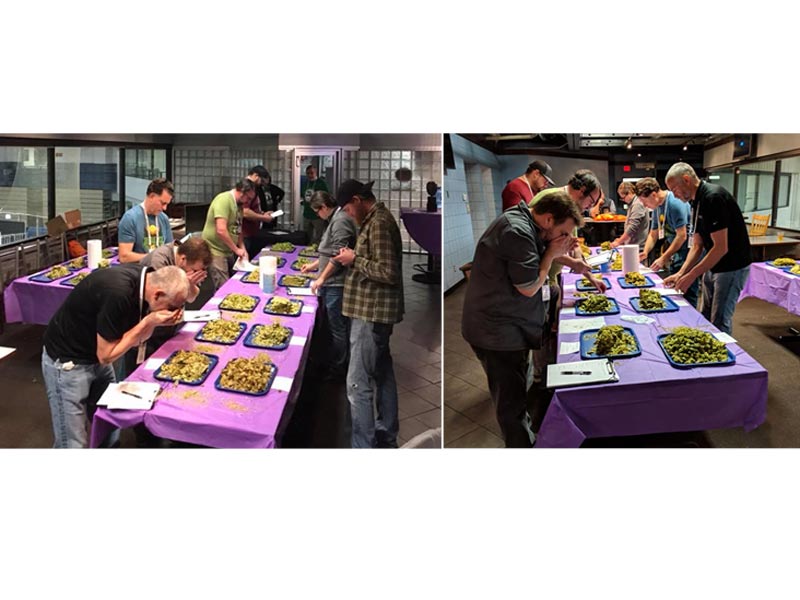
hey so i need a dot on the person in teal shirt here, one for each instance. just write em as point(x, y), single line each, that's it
point(312, 224)
point(668, 223)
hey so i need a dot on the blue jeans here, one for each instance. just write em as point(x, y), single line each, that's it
point(720, 295)
point(339, 326)
point(370, 385)
point(73, 396)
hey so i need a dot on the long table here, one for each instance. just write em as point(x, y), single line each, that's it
point(651, 396)
point(35, 302)
point(205, 415)
point(773, 285)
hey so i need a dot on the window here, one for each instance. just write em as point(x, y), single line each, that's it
point(788, 215)
point(141, 167)
point(754, 190)
point(88, 179)
point(23, 193)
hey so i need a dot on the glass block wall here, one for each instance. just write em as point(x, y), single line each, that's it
point(201, 173)
point(380, 166)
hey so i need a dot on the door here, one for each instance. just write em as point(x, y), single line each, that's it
point(326, 165)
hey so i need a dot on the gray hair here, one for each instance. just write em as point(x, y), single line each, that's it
point(172, 281)
point(320, 199)
point(678, 170)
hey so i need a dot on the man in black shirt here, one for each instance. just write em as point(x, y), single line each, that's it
point(506, 303)
point(718, 227)
point(108, 313)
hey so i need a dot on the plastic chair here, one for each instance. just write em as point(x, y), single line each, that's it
point(759, 225)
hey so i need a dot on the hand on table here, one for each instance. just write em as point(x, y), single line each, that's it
point(598, 283)
point(309, 266)
point(658, 264)
point(642, 256)
point(242, 253)
point(615, 243)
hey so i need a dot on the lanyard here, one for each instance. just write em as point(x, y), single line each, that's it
point(147, 228)
point(696, 215)
point(141, 350)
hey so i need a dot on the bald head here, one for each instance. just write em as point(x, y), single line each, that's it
point(167, 288)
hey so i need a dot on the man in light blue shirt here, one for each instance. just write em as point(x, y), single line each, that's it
point(145, 227)
point(669, 222)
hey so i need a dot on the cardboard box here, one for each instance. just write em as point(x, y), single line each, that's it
point(64, 222)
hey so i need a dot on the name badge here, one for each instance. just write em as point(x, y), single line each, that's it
point(660, 233)
point(690, 241)
point(546, 292)
point(140, 354)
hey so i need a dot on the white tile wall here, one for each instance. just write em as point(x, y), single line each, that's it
point(466, 220)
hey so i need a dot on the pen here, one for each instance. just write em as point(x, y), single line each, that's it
point(131, 394)
point(576, 372)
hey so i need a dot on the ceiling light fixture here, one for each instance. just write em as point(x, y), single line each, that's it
point(629, 144)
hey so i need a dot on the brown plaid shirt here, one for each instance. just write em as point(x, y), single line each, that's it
point(373, 289)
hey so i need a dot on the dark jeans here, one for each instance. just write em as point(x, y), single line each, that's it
point(339, 328)
point(507, 372)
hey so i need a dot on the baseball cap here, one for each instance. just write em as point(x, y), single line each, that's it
point(543, 168)
point(351, 188)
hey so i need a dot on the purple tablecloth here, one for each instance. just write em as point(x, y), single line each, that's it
point(425, 227)
point(210, 417)
point(651, 396)
point(34, 302)
point(773, 285)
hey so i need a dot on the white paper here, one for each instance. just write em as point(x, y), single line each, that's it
point(297, 341)
point(569, 347)
point(114, 398)
point(244, 265)
point(669, 292)
point(566, 312)
point(308, 309)
point(196, 326)
point(638, 319)
point(279, 232)
point(200, 315)
point(599, 259)
point(569, 288)
point(578, 325)
point(680, 302)
point(282, 384)
point(300, 291)
point(724, 337)
point(277, 213)
point(215, 301)
point(5, 351)
point(153, 363)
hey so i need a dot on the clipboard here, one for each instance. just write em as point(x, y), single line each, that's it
point(582, 372)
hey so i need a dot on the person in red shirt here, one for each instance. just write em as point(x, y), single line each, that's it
point(536, 178)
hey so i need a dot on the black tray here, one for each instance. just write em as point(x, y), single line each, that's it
point(271, 379)
point(248, 341)
point(588, 338)
point(214, 361)
point(238, 309)
point(297, 314)
point(731, 357)
point(671, 306)
point(199, 338)
point(627, 286)
point(307, 284)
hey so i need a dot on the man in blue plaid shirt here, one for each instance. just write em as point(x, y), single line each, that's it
point(373, 299)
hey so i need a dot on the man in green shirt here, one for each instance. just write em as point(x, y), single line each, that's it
point(312, 224)
point(223, 230)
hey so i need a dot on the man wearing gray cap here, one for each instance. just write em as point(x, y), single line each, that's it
point(537, 177)
point(373, 299)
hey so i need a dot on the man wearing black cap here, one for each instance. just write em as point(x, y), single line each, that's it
point(373, 299)
point(253, 215)
point(537, 177)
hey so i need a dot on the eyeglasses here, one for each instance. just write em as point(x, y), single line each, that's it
point(594, 201)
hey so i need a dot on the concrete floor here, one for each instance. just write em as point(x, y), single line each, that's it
point(320, 418)
point(469, 414)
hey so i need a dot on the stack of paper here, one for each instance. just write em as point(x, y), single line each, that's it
point(200, 315)
point(130, 395)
